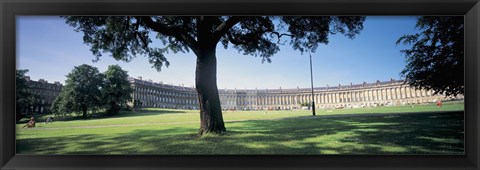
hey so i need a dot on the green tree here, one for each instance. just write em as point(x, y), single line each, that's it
point(435, 60)
point(126, 36)
point(24, 98)
point(116, 91)
point(81, 93)
point(60, 105)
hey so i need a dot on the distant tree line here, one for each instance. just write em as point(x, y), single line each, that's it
point(88, 91)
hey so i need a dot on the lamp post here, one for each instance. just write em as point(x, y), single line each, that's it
point(311, 79)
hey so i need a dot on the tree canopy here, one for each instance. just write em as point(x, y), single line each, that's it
point(435, 60)
point(125, 37)
point(81, 92)
point(87, 89)
point(116, 91)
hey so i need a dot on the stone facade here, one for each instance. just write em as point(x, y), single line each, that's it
point(388, 93)
point(157, 94)
point(46, 92)
point(153, 94)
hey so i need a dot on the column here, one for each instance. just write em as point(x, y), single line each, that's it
point(408, 95)
point(337, 97)
point(374, 95)
point(332, 98)
point(370, 95)
point(397, 93)
point(350, 97)
point(384, 95)
point(322, 99)
point(389, 94)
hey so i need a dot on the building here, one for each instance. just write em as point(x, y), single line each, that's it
point(159, 95)
point(46, 92)
point(387, 93)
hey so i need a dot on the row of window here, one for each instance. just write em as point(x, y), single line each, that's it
point(165, 99)
point(160, 95)
point(45, 93)
point(43, 86)
point(161, 92)
point(370, 95)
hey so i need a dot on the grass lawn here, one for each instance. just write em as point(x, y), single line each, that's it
point(381, 130)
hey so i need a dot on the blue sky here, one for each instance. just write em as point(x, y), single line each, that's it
point(49, 48)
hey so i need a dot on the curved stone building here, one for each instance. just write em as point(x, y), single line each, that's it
point(153, 94)
point(387, 93)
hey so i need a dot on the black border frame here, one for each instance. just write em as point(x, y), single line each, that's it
point(10, 8)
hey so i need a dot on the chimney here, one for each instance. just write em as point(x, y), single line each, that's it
point(139, 77)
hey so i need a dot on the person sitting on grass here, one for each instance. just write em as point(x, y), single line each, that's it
point(30, 123)
point(49, 120)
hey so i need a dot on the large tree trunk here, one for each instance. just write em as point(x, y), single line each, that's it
point(211, 120)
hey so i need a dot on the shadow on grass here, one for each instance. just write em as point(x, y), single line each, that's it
point(426, 133)
point(373, 114)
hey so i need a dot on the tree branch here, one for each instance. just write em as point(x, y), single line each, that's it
point(224, 27)
point(235, 41)
point(141, 37)
point(170, 31)
point(280, 36)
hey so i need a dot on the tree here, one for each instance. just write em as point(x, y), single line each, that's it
point(116, 92)
point(82, 91)
point(61, 106)
point(126, 36)
point(24, 98)
point(436, 59)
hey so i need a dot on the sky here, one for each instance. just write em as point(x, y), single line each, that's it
point(50, 49)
